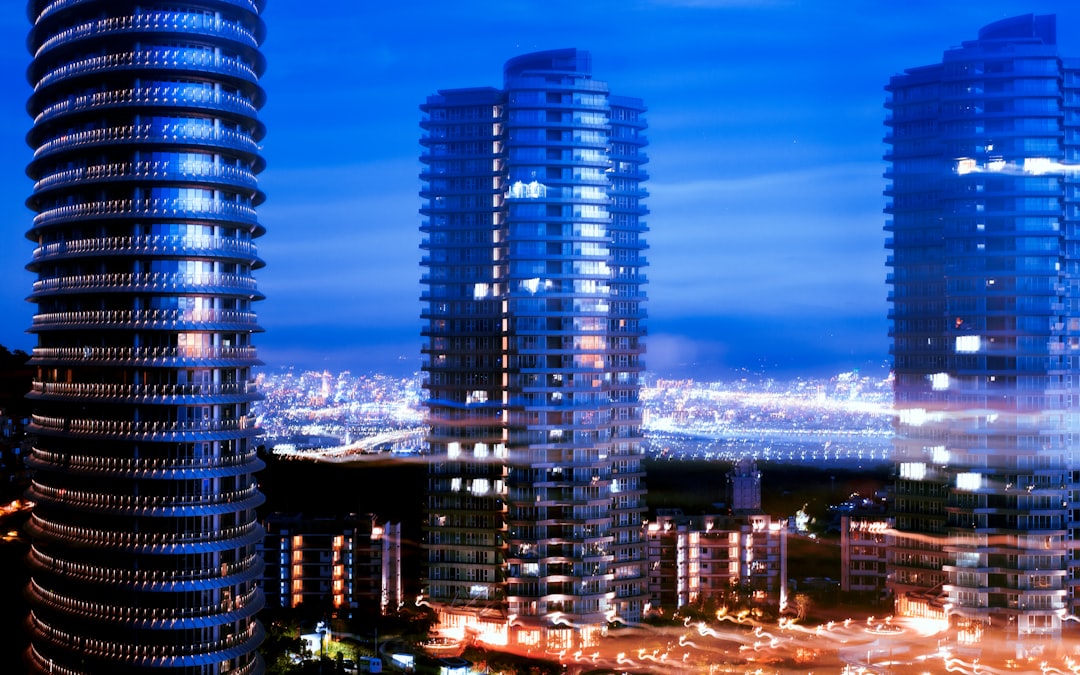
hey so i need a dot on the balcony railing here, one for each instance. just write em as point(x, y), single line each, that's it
point(245, 570)
point(57, 5)
point(144, 354)
point(151, 21)
point(148, 245)
point(186, 170)
point(172, 208)
point(146, 615)
point(154, 540)
point(147, 133)
point(151, 57)
point(148, 654)
point(113, 428)
point(114, 465)
point(147, 318)
point(234, 499)
point(159, 391)
point(155, 281)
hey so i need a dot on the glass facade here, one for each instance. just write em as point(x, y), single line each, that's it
point(145, 143)
point(986, 328)
point(534, 334)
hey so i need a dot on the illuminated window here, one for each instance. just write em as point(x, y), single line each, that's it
point(939, 381)
point(913, 416)
point(940, 455)
point(968, 481)
point(968, 344)
point(912, 470)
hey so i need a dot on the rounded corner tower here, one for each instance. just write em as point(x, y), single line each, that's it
point(146, 148)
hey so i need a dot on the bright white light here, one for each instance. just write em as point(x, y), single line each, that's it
point(996, 164)
point(531, 190)
point(968, 344)
point(915, 417)
point(968, 481)
point(940, 455)
point(912, 470)
point(965, 165)
point(939, 381)
point(1040, 165)
point(453, 450)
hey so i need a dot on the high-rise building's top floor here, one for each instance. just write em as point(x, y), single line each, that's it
point(569, 69)
point(1036, 28)
point(570, 61)
point(1028, 35)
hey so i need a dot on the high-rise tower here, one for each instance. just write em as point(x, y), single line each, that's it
point(146, 149)
point(533, 314)
point(985, 316)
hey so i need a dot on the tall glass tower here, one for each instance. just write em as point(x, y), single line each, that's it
point(533, 315)
point(985, 293)
point(145, 143)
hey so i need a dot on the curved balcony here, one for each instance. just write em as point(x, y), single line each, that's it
point(145, 542)
point(147, 356)
point(53, 6)
point(175, 431)
point(206, 578)
point(145, 135)
point(147, 655)
point(154, 23)
point(151, 246)
point(119, 172)
point(131, 505)
point(157, 282)
point(152, 57)
point(201, 209)
point(95, 467)
point(178, 394)
point(235, 609)
point(174, 319)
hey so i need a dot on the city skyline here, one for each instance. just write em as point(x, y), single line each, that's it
point(766, 163)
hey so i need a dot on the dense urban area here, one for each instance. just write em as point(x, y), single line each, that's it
point(367, 431)
point(844, 419)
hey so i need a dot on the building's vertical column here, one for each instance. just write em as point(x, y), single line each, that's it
point(626, 348)
point(1004, 246)
point(559, 304)
point(464, 331)
point(1071, 281)
point(146, 150)
point(917, 296)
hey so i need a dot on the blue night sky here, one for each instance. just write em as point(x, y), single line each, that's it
point(766, 126)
